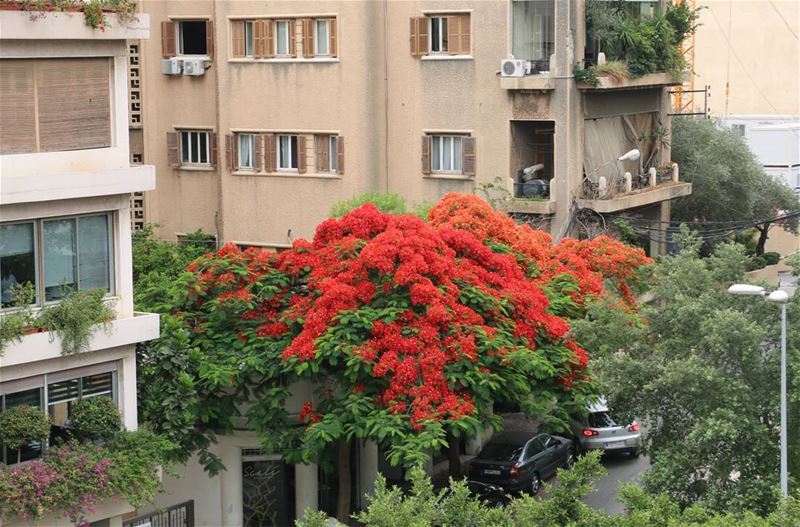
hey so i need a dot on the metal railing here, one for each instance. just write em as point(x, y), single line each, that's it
point(180, 515)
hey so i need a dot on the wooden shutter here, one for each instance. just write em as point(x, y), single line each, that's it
point(209, 38)
point(74, 103)
point(259, 38)
point(17, 110)
point(168, 41)
point(426, 154)
point(422, 36)
point(340, 154)
point(308, 37)
point(292, 38)
point(468, 156)
point(259, 153)
point(212, 140)
point(237, 38)
point(269, 31)
point(453, 35)
point(321, 153)
point(269, 153)
point(466, 35)
point(332, 32)
point(301, 153)
point(416, 21)
point(230, 151)
point(173, 151)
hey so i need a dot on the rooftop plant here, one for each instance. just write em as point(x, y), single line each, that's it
point(75, 318)
point(13, 324)
point(94, 11)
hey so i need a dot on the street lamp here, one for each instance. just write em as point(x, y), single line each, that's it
point(778, 297)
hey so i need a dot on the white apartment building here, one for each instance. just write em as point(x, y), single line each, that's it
point(65, 187)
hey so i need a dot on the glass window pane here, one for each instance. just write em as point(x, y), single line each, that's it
point(447, 153)
point(202, 139)
point(185, 147)
point(333, 154)
point(246, 151)
point(443, 32)
point(30, 397)
point(283, 151)
point(457, 154)
point(60, 258)
point(322, 37)
point(17, 258)
point(96, 385)
point(62, 391)
point(283, 38)
point(533, 31)
point(94, 258)
point(435, 34)
point(436, 152)
point(248, 39)
point(293, 150)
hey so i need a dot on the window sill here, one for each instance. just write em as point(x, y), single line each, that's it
point(444, 175)
point(286, 60)
point(447, 57)
point(190, 168)
point(294, 175)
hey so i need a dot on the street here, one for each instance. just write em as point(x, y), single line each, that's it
point(621, 468)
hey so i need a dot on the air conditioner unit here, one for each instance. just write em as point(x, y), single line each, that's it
point(194, 67)
point(171, 66)
point(512, 68)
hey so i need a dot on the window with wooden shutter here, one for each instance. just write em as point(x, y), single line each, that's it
point(74, 103)
point(292, 38)
point(173, 151)
point(168, 40)
point(466, 35)
point(419, 36)
point(237, 39)
point(426, 154)
point(468, 156)
point(332, 34)
point(301, 153)
point(17, 109)
point(270, 153)
point(308, 37)
point(321, 153)
point(213, 148)
point(458, 34)
point(269, 32)
point(259, 153)
point(339, 154)
point(230, 152)
point(259, 39)
point(209, 38)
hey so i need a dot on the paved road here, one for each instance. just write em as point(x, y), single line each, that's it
point(620, 468)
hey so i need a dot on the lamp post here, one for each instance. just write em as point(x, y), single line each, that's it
point(778, 297)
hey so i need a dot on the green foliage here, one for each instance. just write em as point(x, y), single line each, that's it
point(76, 318)
point(21, 425)
point(771, 258)
point(586, 75)
point(793, 261)
point(14, 323)
point(756, 262)
point(615, 70)
point(94, 11)
point(96, 418)
point(385, 201)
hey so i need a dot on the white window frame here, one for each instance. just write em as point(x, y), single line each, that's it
point(439, 19)
point(250, 141)
point(249, 42)
point(195, 144)
point(326, 40)
point(179, 39)
point(333, 153)
point(287, 40)
point(290, 150)
point(447, 152)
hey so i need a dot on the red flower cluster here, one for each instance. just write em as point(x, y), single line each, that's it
point(307, 415)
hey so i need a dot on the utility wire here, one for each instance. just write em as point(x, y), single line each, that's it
point(784, 20)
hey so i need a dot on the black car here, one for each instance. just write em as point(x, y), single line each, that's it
point(519, 462)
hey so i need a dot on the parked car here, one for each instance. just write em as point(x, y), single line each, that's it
point(599, 431)
point(520, 461)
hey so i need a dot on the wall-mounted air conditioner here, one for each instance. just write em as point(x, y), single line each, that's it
point(512, 68)
point(171, 66)
point(194, 67)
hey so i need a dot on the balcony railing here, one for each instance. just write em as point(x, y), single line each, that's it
point(629, 191)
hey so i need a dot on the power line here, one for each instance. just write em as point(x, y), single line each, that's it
point(784, 20)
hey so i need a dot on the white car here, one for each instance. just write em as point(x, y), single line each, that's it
point(599, 431)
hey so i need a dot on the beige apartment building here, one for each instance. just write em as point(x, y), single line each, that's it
point(260, 116)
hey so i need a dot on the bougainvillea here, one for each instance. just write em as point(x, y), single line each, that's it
point(407, 329)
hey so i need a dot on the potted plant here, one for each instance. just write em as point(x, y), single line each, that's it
point(76, 318)
point(95, 419)
point(22, 425)
point(15, 324)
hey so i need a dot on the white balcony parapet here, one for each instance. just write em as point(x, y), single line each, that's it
point(20, 25)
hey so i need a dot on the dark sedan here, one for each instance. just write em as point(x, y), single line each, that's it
point(519, 462)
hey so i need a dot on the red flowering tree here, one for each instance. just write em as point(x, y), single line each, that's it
point(408, 329)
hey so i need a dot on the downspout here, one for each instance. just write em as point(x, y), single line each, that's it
point(219, 217)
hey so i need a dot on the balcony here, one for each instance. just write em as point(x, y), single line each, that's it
point(17, 24)
point(544, 206)
point(649, 80)
point(630, 192)
point(540, 82)
point(121, 332)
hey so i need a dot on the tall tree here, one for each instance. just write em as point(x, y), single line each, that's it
point(728, 183)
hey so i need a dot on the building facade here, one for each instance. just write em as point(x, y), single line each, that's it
point(65, 186)
point(259, 118)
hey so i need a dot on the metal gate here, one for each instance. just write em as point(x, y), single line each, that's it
point(180, 515)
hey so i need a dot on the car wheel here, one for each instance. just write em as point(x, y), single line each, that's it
point(536, 485)
point(634, 452)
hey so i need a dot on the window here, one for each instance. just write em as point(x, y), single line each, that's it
point(739, 129)
point(77, 254)
point(61, 396)
point(533, 31)
point(195, 148)
point(441, 35)
point(248, 38)
point(246, 149)
point(446, 156)
point(53, 105)
point(438, 32)
point(282, 37)
point(534, 447)
point(332, 153)
point(32, 397)
point(329, 152)
point(322, 37)
point(192, 37)
point(287, 152)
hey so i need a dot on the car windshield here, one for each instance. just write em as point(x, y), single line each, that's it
point(501, 452)
point(601, 420)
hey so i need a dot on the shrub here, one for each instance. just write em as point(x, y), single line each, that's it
point(756, 262)
point(13, 324)
point(21, 425)
point(385, 201)
point(587, 76)
point(615, 70)
point(75, 318)
point(96, 418)
point(771, 258)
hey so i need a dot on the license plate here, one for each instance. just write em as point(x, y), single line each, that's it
point(615, 444)
point(490, 472)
